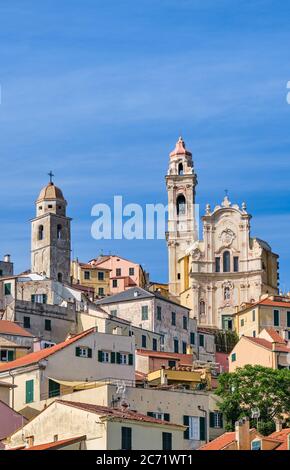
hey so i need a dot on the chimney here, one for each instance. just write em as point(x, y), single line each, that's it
point(7, 258)
point(279, 425)
point(242, 428)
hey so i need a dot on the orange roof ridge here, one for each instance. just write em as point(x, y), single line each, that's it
point(36, 356)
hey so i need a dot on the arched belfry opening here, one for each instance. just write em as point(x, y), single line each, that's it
point(180, 169)
point(181, 205)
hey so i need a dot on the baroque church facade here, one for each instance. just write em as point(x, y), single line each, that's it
point(225, 269)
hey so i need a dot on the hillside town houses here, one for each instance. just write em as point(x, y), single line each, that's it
point(96, 356)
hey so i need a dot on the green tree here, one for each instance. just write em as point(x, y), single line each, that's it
point(253, 387)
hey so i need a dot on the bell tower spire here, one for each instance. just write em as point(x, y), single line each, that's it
point(181, 182)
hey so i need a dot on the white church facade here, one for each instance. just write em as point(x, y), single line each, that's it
point(225, 269)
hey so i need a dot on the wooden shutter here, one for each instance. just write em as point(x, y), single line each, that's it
point(186, 423)
point(211, 419)
point(33, 298)
point(221, 420)
point(100, 356)
point(78, 351)
point(202, 429)
point(44, 298)
point(166, 417)
point(113, 358)
point(10, 355)
point(166, 441)
point(131, 359)
point(118, 358)
point(90, 353)
point(150, 413)
point(29, 386)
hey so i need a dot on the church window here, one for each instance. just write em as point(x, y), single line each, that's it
point(59, 277)
point(227, 261)
point(227, 293)
point(40, 232)
point(202, 307)
point(218, 265)
point(59, 232)
point(181, 205)
point(236, 264)
point(180, 169)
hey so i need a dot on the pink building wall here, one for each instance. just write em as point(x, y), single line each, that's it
point(10, 421)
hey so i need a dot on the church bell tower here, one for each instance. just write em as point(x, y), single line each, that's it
point(50, 235)
point(181, 182)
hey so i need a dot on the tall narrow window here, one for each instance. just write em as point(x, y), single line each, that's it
point(227, 261)
point(181, 205)
point(227, 293)
point(180, 169)
point(202, 307)
point(40, 232)
point(59, 277)
point(236, 264)
point(276, 318)
point(59, 232)
point(218, 265)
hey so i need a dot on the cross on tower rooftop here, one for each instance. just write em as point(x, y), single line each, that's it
point(51, 175)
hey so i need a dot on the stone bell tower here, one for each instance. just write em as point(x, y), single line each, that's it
point(50, 235)
point(181, 182)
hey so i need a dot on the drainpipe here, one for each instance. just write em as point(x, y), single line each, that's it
point(13, 380)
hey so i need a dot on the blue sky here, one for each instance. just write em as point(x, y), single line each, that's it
point(98, 91)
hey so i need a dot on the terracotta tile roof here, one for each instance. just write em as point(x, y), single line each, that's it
point(267, 302)
point(55, 444)
point(11, 328)
point(6, 343)
point(267, 344)
point(35, 357)
point(188, 358)
point(275, 336)
point(92, 266)
point(116, 413)
point(282, 436)
point(140, 375)
point(220, 442)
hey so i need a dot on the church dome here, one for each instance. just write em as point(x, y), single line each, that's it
point(180, 149)
point(50, 192)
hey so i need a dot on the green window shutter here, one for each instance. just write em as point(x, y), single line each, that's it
point(33, 298)
point(100, 356)
point(222, 420)
point(10, 355)
point(202, 429)
point(131, 359)
point(186, 423)
point(113, 358)
point(53, 388)
point(166, 417)
point(276, 317)
point(78, 353)
point(44, 298)
point(149, 413)
point(90, 353)
point(211, 419)
point(288, 319)
point(29, 389)
point(118, 358)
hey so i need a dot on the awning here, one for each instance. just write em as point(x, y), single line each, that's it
point(76, 385)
